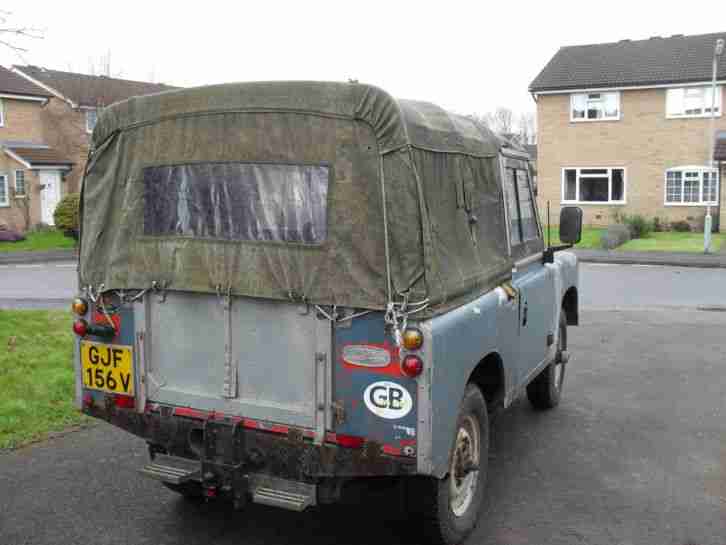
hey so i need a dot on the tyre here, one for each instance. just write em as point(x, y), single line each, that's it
point(450, 507)
point(545, 390)
point(190, 490)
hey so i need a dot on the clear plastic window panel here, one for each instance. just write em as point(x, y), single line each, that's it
point(514, 234)
point(674, 186)
point(237, 201)
point(526, 205)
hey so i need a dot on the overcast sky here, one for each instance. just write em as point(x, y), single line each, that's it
point(469, 57)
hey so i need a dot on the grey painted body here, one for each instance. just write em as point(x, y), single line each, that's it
point(492, 324)
point(273, 355)
point(285, 363)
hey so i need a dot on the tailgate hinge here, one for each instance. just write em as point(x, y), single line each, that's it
point(229, 387)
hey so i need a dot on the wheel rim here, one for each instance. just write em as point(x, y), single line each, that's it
point(463, 478)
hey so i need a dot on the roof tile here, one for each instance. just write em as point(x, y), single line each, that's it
point(92, 91)
point(13, 84)
point(678, 59)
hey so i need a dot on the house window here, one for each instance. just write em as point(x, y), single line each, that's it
point(19, 183)
point(91, 118)
point(593, 185)
point(4, 201)
point(691, 186)
point(692, 102)
point(595, 106)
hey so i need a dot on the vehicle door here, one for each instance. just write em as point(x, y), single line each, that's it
point(533, 283)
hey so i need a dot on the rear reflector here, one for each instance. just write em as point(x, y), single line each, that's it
point(80, 328)
point(124, 402)
point(411, 366)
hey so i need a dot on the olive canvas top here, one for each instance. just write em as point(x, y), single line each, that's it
point(277, 190)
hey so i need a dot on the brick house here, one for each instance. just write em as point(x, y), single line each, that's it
point(31, 171)
point(625, 127)
point(71, 116)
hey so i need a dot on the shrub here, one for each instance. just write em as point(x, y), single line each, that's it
point(682, 226)
point(658, 226)
point(66, 214)
point(638, 225)
point(614, 236)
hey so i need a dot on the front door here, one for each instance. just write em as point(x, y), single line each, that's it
point(532, 281)
point(49, 194)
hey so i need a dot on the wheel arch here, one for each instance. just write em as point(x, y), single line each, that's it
point(488, 375)
point(571, 307)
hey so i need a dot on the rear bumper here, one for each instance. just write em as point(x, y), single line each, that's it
point(229, 448)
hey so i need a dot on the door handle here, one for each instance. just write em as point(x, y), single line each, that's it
point(524, 315)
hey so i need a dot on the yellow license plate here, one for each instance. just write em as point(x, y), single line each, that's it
point(108, 367)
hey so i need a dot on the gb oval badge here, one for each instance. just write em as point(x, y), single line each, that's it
point(388, 400)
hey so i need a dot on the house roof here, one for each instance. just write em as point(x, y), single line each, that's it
point(38, 156)
point(719, 152)
point(13, 84)
point(677, 59)
point(87, 90)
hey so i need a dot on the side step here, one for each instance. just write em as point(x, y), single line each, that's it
point(172, 469)
point(292, 495)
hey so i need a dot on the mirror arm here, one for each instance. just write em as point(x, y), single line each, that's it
point(548, 255)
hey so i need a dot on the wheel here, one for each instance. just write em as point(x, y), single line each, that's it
point(450, 507)
point(545, 390)
point(190, 490)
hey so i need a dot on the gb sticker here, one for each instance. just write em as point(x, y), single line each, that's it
point(388, 400)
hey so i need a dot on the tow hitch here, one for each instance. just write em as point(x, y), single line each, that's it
point(226, 469)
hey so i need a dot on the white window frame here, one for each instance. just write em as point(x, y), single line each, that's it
point(703, 89)
point(574, 119)
point(89, 130)
point(4, 180)
point(25, 184)
point(609, 170)
point(691, 168)
point(2, 112)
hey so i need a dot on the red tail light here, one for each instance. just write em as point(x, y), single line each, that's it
point(80, 328)
point(411, 366)
point(124, 402)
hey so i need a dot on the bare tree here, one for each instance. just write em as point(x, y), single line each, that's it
point(11, 34)
point(482, 119)
point(502, 121)
point(527, 128)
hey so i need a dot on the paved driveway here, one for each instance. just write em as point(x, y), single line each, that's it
point(635, 454)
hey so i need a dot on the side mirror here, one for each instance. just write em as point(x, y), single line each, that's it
point(571, 224)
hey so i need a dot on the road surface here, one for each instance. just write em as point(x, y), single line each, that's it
point(635, 453)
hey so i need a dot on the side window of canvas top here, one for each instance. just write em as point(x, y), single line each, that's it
point(521, 205)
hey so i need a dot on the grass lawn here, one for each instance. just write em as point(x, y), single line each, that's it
point(590, 237)
point(673, 242)
point(39, 241)
point(36, 375)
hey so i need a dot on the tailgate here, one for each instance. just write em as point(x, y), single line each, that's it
point(241, 356)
